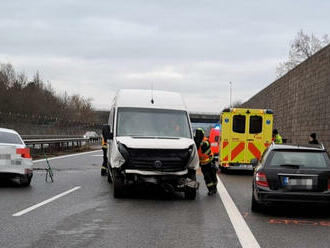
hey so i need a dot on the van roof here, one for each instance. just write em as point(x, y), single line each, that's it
point(143, 99)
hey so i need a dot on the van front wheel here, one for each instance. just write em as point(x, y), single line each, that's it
point(190, 193)
point(118, 185)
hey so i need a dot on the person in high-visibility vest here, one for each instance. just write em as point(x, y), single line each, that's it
point(104, 167)
point(277, 138)
point(206, 161)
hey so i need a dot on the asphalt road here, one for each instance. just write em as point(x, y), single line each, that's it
point(85, 214)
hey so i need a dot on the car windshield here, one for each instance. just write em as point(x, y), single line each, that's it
point(140, 122)
point(10, 138)
point(299, 159)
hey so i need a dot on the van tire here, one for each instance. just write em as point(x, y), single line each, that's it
point(109, 177)
point(118, 185)
point(190, 193)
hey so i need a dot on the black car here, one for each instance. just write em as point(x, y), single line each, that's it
point(291, 173)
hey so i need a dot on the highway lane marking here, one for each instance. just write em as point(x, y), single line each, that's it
point(29, 209)
point(243, 232)
point(65, 156)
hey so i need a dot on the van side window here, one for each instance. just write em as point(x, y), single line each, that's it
point(239, 123)
point(255, 124)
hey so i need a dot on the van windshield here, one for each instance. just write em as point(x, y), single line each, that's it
point(141, 122)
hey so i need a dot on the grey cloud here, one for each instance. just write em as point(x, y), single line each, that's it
point(195, 47)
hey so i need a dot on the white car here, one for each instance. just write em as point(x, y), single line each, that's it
point(92, 135)
point(15, 158)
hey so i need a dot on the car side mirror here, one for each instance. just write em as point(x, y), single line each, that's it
point(254, 162)
point(107, 134)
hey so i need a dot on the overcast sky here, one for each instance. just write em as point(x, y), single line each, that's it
point(195, 47)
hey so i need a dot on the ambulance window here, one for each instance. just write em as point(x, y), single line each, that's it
point(255, 124)
point(239, 123)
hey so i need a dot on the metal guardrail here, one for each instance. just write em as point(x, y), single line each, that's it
point(54, 143)
point(48, 136)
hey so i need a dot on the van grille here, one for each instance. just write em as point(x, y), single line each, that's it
point(158, 159)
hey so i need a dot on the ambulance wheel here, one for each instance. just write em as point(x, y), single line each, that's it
point(223, 169)
point(190, 193)
point(118, 185)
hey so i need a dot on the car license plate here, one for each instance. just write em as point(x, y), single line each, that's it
point(304, 182)
point(5, 156)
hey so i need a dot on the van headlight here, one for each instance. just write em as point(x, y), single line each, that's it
point(193, 161)
point(123, 151)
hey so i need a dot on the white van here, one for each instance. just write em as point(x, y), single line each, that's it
point(150, 141)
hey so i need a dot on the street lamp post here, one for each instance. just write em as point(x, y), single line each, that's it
point(230, 93)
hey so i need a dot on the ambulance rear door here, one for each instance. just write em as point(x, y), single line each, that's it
point(233, 148)
point(258, 133)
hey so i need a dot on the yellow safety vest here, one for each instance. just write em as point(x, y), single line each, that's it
point(207, 156)
point(104, 144)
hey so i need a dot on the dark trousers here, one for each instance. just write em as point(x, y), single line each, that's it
point(105, 157)
point(210, 175)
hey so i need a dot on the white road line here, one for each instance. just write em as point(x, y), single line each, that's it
point(29, 209)
point(65, 156)
point(243, 232)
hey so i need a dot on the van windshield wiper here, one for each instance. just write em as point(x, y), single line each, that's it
point(290, 165)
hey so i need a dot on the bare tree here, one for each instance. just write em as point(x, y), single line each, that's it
point(302, 48)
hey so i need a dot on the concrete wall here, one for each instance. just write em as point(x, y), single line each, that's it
point(300, 100)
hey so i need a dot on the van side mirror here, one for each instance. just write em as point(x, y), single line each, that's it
point(254, 162)
point(107, 134)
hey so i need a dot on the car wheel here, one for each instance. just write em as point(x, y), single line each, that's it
point(118, 185)
point(255, 206)
point(25, 180)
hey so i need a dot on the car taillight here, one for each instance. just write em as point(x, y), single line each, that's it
point(329, 184)
point(25, 152)
point(261, 179)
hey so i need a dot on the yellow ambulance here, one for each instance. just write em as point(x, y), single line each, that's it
point(246, 133)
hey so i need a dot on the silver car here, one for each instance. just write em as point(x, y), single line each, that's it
point(15, 158)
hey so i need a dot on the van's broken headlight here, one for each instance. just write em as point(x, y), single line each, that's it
point(123, 151)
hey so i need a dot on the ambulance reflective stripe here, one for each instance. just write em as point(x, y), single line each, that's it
point(225, 151)
point(254, 150)
point(238, 150)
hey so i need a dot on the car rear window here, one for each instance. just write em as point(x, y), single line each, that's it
point(304, 159)
point(10, 138)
